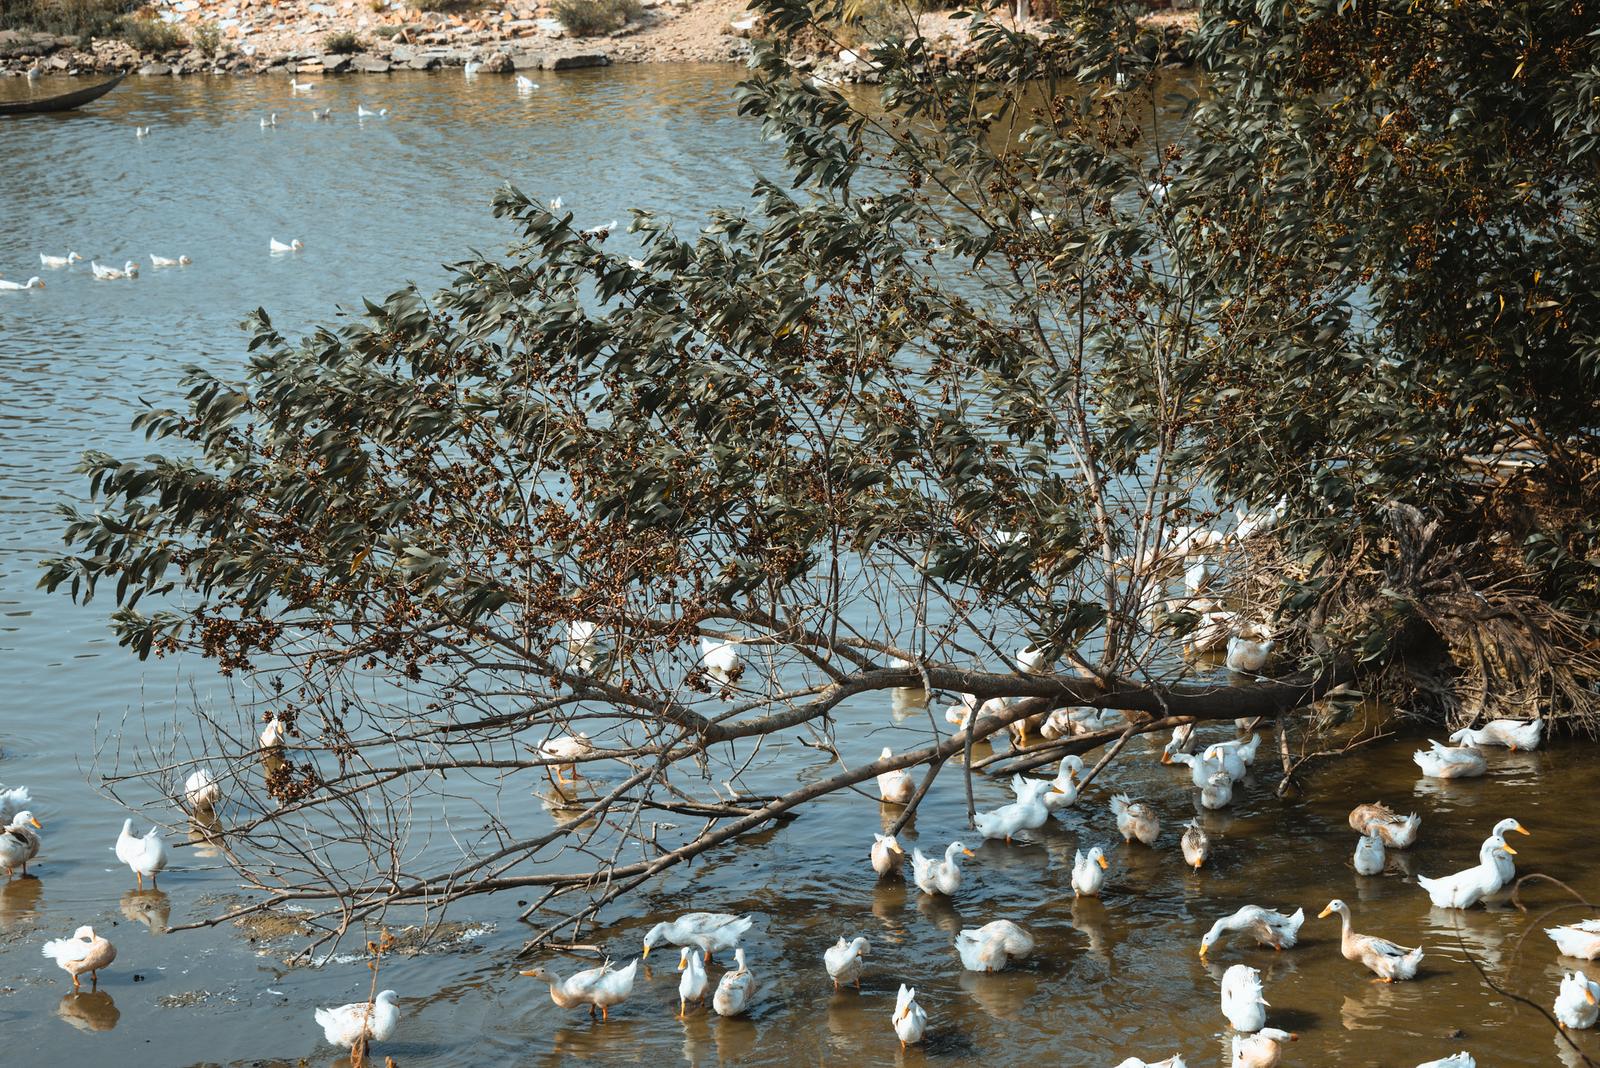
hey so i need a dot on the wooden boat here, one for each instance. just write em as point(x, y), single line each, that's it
point(61, 102)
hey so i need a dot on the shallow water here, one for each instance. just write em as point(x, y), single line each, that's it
point(386, 201)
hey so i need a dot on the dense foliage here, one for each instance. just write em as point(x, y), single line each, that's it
point(966, 383)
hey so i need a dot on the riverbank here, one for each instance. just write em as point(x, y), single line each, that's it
point(379, 36)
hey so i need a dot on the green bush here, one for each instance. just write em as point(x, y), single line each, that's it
point(152, 35)
point(208, 38)
point(586, 18)
point(342, 43)
point(440, 5)
point(66, 18)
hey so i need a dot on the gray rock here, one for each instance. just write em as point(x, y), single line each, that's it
point(155, 68)
point(423, 63)
point(335, 64)
point(576, 60)
point(528, 61)
point(402, 53)
point(371, 65)
point(497, 63)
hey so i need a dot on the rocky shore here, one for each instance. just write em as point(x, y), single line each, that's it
point(379, 36)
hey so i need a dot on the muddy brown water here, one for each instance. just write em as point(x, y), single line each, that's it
point(385, 201)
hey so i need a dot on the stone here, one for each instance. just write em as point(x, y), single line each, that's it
point(402, 53)
point(335, 64)
point(528, 61)
point(497, 63)
point(422, 63)
point(155, 68)
point(371, 65)
point(576, 60)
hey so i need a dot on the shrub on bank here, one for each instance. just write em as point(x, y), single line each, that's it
point(586, 18)
point(66, 18)
point(152, 35)
point(342, 43)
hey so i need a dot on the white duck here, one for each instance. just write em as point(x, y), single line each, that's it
point(599, 988)
point(1027, 813)
point(694, 984)
point(566, 749)
point(1261, 1050)
point(1443, 762)
point(1198, 576)
point(141, 132)
point(18, 842)
point(269, 121)
point(111, 274)
point(201, 791)
point(1578, 1001)
point(168, 261)
point(1580, 940)
point(470, 68)
point(1390, 962)
point(146, 856)
point(1248, 650)
point(1213, 631)
point(1455, 1060)
point(1396, 832)
point(1466, 888)
point(1196, 844)
point(85, 951)
point(709, 932)
point(1135, 819)
point(352, 1026)
point(1231, 758)
point(1513, 734)
point(1201, 766)
point(1370, 857)
point(887, 856)
point(581, 639)
point(1088, 872)
point(991, 947)
point(300, 87)
point(273, 733)
point(895, 787)
point(1217, 792)
point(1063, 789)
point(322, 114)
point(1268, 927)
point(364, 112)
point(526, 84)
point(54, 262)
point(13, 800)
point(736, 990)
point(1502, 857)
point(596, 231)
point(938, 877)
point(274, 245)
point(1243, 1002)
point(910, 1021)
point(845, 960)
point(33, 283)
point(1174, 1061)
point(1183, 740)
point(721, 660)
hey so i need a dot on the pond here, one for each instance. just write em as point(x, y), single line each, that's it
point(388, 200)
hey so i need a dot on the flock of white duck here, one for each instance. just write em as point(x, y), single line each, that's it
point(130, 268)
point(86, 953)
point(1213, 769)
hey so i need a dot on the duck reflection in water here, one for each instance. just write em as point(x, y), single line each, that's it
point(205, 831)
point(941, 912)
point(736, 1039)
point(153, 908)
point(1003, 995)
point(888, 902)
point(89, 1010)
point(1089, 918)
point(20, 901)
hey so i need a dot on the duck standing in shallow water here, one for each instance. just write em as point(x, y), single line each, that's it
point(1578, 1002)
point(938, 877)
point(1580, 940)
point(1088, 872)
point(85, 951)
point(1391, 963)
point(1466, 888)
point(1268, 926)
point(736, 989)
point(1261, 1050)
point(1243, 1001)
point(887, 856)
point(845, 960)
point(1397, 833)
point(1196, 844)
point(1135, 820)
point(895, 787)
point(991, 947)
point(694, 984)
point(910, 1021)
point(19, 842)
point(1370, 857)
point(599, 988)
point(708, 932)
point(146, 856)
point(353, 1026)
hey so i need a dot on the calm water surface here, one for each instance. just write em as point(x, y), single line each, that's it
point(387, 201)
